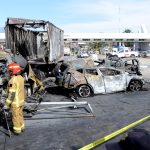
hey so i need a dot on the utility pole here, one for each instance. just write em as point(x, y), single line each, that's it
point(119, 18)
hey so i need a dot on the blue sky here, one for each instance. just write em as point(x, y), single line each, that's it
point(81, 15)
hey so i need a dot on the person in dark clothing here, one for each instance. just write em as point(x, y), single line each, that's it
point(60, 72)
point(136, 139)
point(64, 67)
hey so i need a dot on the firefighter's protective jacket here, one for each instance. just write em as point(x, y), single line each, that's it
point(16, 91)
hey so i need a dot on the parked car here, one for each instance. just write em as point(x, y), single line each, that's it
point(82, 55)
point(144, 53)
point(102, 80)
point(67, 51)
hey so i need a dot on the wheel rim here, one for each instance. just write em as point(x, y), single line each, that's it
point(28, 92)
point(132, 56)
point(84, 91)
point(135, 86)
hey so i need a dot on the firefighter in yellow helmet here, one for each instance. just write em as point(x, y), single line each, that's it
point(16, 97)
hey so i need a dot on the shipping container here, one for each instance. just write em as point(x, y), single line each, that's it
point(35, 40)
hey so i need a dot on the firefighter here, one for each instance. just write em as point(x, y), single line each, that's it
point(16, 97)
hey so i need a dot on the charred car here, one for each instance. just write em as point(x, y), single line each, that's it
point(130, 65)
point(102, 80)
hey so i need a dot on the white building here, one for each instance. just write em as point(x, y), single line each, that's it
point(2, 37)
point(142, 38)
point(2, 40)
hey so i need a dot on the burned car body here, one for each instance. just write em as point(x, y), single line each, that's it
point(103, 80)
point(130, 65)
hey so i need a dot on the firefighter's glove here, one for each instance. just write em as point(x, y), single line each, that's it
point(8, 102)
point(6, 107)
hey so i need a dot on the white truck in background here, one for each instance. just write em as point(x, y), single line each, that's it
point(67, 51)
point(124, 52)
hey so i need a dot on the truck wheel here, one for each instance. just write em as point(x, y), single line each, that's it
point(84, 90)
point(132, 56)
point(135, 85)
point(117, 64)
point(40, 74)
point(115, 57)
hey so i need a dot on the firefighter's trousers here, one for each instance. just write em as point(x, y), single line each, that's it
point(17, 119)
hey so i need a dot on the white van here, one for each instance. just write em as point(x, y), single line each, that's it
point(67, 51)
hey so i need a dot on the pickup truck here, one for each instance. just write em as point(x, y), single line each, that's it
point(125, 53)
point(67, 51)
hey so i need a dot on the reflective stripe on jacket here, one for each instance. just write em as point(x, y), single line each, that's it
point(16, 88)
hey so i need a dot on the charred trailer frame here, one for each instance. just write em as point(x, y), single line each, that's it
point(26, 36)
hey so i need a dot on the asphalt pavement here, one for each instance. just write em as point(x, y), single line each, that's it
point(112, 112)
point(69, 129)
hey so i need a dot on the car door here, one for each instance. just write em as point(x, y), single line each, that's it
point(114, 80)
point(127, 53)
point(121, 53)
point(95, 79)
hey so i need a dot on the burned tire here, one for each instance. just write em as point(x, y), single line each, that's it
point(84, 91)
point(39, 74)
point(115, 57)
point(132, 56)
point(117, 64)
point(135, 85)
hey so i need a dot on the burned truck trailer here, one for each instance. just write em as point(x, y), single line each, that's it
point(38, 41)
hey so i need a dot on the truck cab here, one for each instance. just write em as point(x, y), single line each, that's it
point(124, 52)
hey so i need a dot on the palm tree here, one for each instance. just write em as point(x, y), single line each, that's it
point(127, 31)
point(128, 44)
